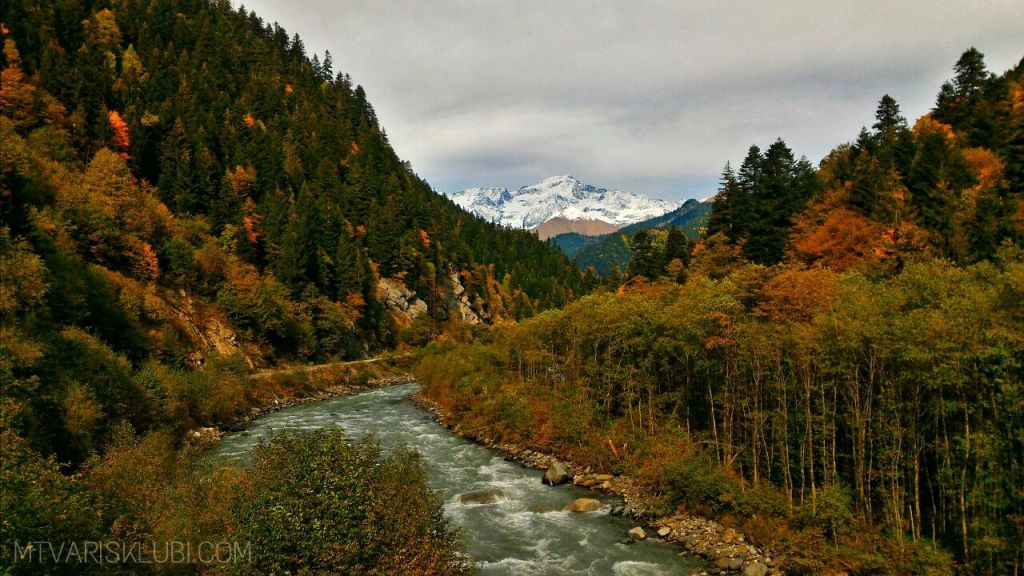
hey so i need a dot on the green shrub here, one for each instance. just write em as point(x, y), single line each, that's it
point(319, 505)
point(37, 503)
point(696, 482)
point(832, 511)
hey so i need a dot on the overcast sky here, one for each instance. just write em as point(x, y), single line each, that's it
point(646, 96)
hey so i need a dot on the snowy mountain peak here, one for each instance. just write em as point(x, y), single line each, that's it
point(559, 197)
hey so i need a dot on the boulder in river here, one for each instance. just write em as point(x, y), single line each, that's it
point(556, 474)
point(583, 505)
point(664, 531)
point(637, 533)
point(489, 496)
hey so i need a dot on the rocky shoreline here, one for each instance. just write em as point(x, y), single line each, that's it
point(726, 550)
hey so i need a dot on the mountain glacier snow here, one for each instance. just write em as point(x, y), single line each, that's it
point(559, 196)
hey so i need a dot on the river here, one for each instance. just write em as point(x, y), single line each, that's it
point(525, 532)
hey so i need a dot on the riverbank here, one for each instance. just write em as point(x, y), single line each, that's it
point(304, 384)
point(725, 549)
point(509, 523)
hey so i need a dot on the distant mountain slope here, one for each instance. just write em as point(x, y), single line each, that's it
point(603, 252)
point(584, 226)
point(559, 197)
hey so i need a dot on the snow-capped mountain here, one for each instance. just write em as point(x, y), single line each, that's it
point(559, 197)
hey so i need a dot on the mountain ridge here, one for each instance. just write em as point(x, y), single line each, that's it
point(609, 250)
point(559, 196)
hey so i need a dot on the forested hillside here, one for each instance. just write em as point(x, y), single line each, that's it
point(218, 157)
point(186, 194)
point(836, 369)
point(180, 179)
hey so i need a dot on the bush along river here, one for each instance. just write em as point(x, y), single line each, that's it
point(510, 522)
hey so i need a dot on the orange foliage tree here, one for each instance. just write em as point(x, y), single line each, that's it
point(17, 96)
point(119, 128)
point(843, 240)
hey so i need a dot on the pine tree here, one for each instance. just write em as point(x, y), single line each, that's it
point(728, 204)
point(349, 267)
point(748, 180)
point(971, 74)
point(646, 262)
point(868, 183)
point(677, 246)
point(299, 263)
point(328, 66)
point(888, 120)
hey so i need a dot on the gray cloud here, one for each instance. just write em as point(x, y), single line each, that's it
point(652, 96)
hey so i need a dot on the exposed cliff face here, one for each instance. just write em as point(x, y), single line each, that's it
point(402, 303)
point(457, 303)
point(208, 333)
point(454, 301)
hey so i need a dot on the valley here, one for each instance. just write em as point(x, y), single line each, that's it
point(220, 284)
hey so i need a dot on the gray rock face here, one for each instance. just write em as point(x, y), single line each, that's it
point(456, 300)
point(398, 299)
point(481, 496)
point(583, 505)
point(755, 569)
point(556, 474)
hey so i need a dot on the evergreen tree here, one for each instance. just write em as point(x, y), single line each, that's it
point(971, 74)
point(729, 203)
point(647, 261)
point(888, 120)
point(350, 268)
point(299, 263)
point(677, 246)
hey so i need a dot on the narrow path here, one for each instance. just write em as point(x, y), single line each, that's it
point(308, 368)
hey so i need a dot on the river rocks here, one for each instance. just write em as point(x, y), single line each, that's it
point(755, 569)
point(637, 533)
point(727, 563)
point(205, 435)
point(556, 474)
point(583, 505)
point(725, 548)
point(700, 536)
point(489, 496)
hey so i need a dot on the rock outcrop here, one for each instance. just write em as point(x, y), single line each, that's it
point(205, 330)
point(403, 304)
point(457, 303)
